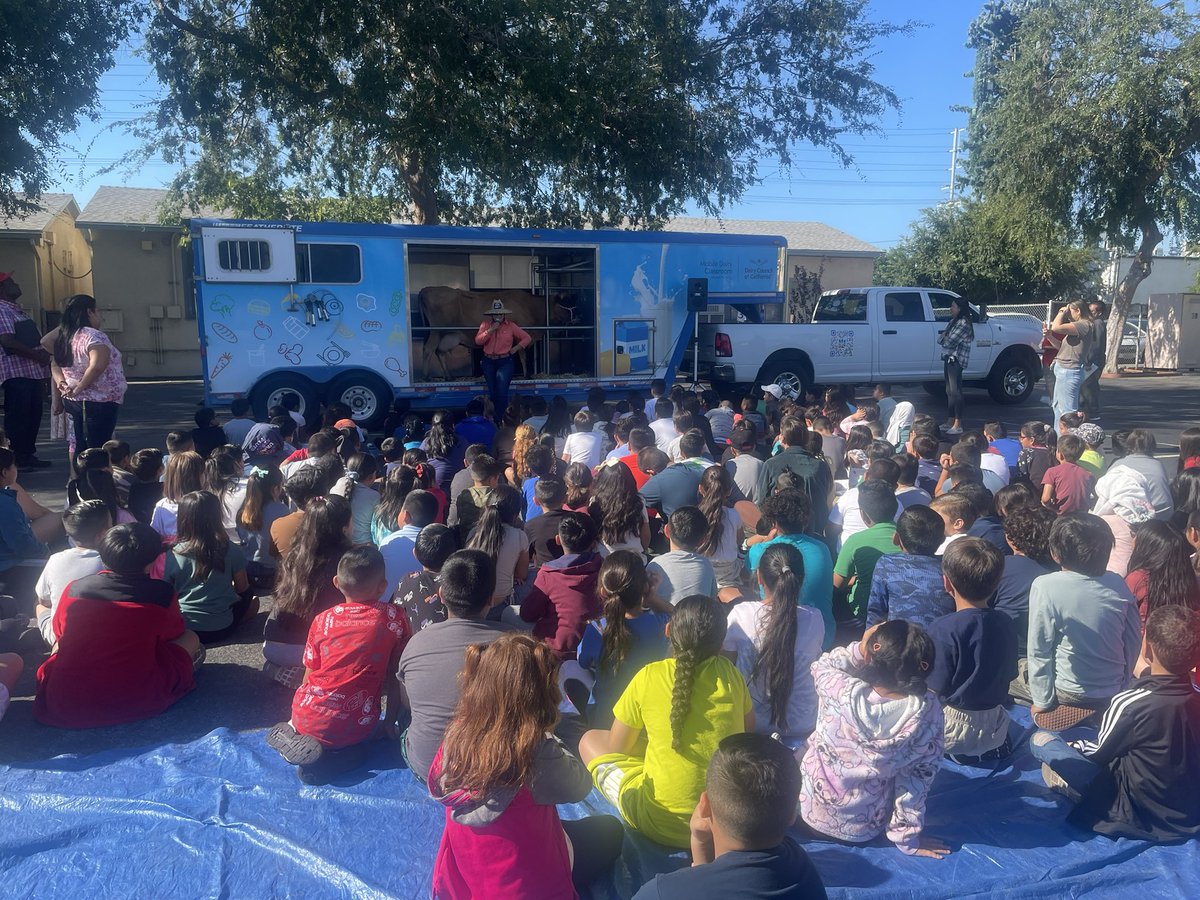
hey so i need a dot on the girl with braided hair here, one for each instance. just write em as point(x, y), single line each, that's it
point(628, 637)
point(666, 726)
point(775, 641)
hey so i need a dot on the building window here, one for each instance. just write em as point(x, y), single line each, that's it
point(328, 263)
point(244, 256)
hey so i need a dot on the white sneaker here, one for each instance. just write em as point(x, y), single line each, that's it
point(953, 430)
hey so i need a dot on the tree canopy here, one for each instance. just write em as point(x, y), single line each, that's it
point(544, 112)
point(51, 59)
point(1089, 113)
point(988, 252)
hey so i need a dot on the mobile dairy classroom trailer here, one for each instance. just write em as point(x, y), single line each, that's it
point(365, 314)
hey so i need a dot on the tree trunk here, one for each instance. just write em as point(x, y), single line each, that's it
point(421, 192)
point(1138, 272)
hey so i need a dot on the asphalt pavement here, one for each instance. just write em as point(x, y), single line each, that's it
point(232, 692)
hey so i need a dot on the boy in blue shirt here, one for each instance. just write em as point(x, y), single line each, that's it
point(908, 585)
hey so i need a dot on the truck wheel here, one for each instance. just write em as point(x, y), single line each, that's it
point(1012, 380)
point(270, 391)
point(790, 373)
point(368, 396)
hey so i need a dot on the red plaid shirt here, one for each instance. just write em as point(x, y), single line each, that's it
point(11, 365)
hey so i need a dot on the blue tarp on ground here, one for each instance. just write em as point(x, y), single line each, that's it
point(224, 816)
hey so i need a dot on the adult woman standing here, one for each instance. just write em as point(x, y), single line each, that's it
point(89, 381)
point(956, 343)
point(1072, 332)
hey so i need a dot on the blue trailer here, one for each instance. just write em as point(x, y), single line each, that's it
point(365, 314)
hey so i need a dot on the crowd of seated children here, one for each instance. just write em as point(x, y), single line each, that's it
point(909, 585)
point(675, 676)
point(774, 641)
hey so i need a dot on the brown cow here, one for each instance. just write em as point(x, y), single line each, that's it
point(447, 307)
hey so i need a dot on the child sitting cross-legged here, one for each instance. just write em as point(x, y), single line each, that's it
point(563, 598)
point(350, 662)
point(740, 846)
point(868, 766)
point(975, 655)
point(1138, 778)
point(123, 652)
point(684, 705)
point(500, 773)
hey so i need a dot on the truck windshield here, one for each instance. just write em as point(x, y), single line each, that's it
point(841, 307)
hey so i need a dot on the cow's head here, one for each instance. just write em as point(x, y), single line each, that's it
point(564, 310)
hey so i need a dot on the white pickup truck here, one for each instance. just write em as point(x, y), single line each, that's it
point(872, 334)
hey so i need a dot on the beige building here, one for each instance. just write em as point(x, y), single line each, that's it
point(819, 258)
point(48, 257)
point(142, 271)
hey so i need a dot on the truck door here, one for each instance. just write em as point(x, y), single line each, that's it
point(842, 345)
point(905, 335)
point(981, 352)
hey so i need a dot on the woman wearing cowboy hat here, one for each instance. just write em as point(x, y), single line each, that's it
point(500, 340)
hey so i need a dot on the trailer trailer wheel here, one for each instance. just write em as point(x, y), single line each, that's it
point(368, 396)
point(271, 390)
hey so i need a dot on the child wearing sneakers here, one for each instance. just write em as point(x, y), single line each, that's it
point(350, 662)
point(1138, 778)
point(975, 655)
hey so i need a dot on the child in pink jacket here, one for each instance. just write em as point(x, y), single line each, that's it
point(868, 766)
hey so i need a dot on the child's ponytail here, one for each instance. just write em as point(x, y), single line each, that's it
point(260, 489)
point(622, 587)
point(697, 632)
point(899, 658)
point(781, 571)
point(502, 509)
point(716, 487)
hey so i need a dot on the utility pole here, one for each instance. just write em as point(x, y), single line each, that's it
point(954, 163)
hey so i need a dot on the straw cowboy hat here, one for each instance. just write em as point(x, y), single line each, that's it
point(499, 309)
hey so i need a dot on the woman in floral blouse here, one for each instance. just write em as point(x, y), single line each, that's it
point(89, 381)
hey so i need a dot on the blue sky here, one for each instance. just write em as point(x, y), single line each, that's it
point(898, 173)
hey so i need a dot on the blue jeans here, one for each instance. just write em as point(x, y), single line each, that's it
point(1068, 763)
point(498, 374)
point(1067, 382)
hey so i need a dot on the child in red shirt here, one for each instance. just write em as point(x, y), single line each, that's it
point(350, 661)
point(123, 651)
point(1068, 487)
